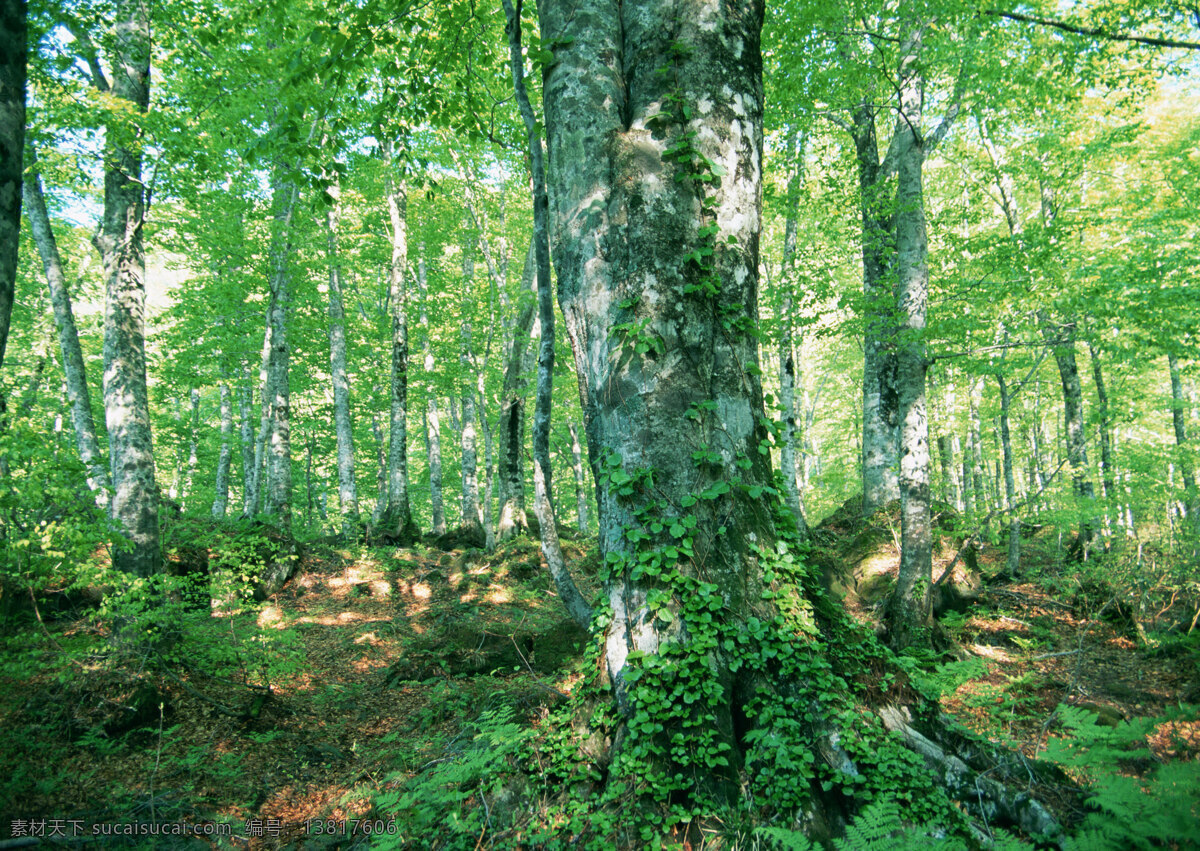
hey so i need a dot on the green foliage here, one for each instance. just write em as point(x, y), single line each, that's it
point(449, 800)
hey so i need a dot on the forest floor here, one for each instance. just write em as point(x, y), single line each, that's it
point(386, 656)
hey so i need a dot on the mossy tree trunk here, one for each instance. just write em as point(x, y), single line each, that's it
point(732, 674)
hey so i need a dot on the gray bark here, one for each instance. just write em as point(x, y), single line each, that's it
point(512, 411)
point(381, 477)
point(472, 513)
point(1179, 422)
point(342, 426)
point(193, 446)
point(975, 447)
point(787, 344)
point(880, 427)
point(255, 481)
point(1013, 559)
point(221, 500)
point(909, 608)
point(577, 607)
point(398, 520)
point(1108, 464)
point(119, 240)
point(278, 490)
point(433, 426)
point(245, 406)
point(581, 500)
point(13, 26)
point(78, 394)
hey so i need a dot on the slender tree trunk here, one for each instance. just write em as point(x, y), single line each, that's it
point(119, 241)
point(1013, 561)
point(245, 406)
point(221, 500)
point(254, 485)
point(472, 515)
point(512, 411)
point(975, 446)
point(342, 425)
point(398, 520)
point(577, 607)
point(581, 501)
point(1063, 344)
point(381, 477)
point(1191, 499)
point(1108, 464)
point(433, 426)
point(278, 491)
point(78, 394)
point(13, 26)
point(193, 458)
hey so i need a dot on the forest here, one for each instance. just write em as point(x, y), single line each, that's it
point(608, 424)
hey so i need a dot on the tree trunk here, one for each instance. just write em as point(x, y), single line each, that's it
point(13, 25)
point(1012, 563)
point(880, 427)
point(975, 447)
point(726, 664)
point(512, 411)
point(193, 458)
point(1108, 464)
point(221, 500)
point(119, 241)
point(398, 520)
point(278, 451)
point(581, 500)
point(909, 609)
point(1191, 499)
point(381, 478)
point(472, 515)
point(342, 425)
point(245, 406)
point(433, 426)
point(1062, 342)
point(74, 371)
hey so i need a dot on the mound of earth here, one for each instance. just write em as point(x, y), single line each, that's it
point(859, 557)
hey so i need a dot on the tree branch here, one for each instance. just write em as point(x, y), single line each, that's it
point(1093, 32)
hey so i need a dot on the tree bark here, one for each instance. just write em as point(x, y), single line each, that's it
point(1012, 562)
point(433, 426)
point(880, 428)
point(1191, 499)
point(398, 520)
point(581, 500)
point(1062, 342)
point(342, 426)
point(472, 513)
point(78, 394)
point(787, 345)
point(712, 645)
point(221, 500)
point(193, 458)
point(245, 406)
point(909, 611)
point(119, 241)
point(1108, 463)
point(278, 450)
point(13, 25)
point(512, 411)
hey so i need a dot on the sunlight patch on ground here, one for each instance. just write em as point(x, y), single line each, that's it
point(987, 651)
point(339, 620)
point(499, 595)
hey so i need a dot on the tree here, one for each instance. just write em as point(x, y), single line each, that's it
point(119, 241)
point(12, 142)
point(721, 655)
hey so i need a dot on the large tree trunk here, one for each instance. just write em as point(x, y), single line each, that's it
point(909, 608)
point(1108, 463)
point(880, 431)
point(342, 426)
point(221, 500)
point(398, 521)
point(433, 425)
point(119, 241)
point(581, 500)
point(729, 669)
point(74, 371)
point(12, 142)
